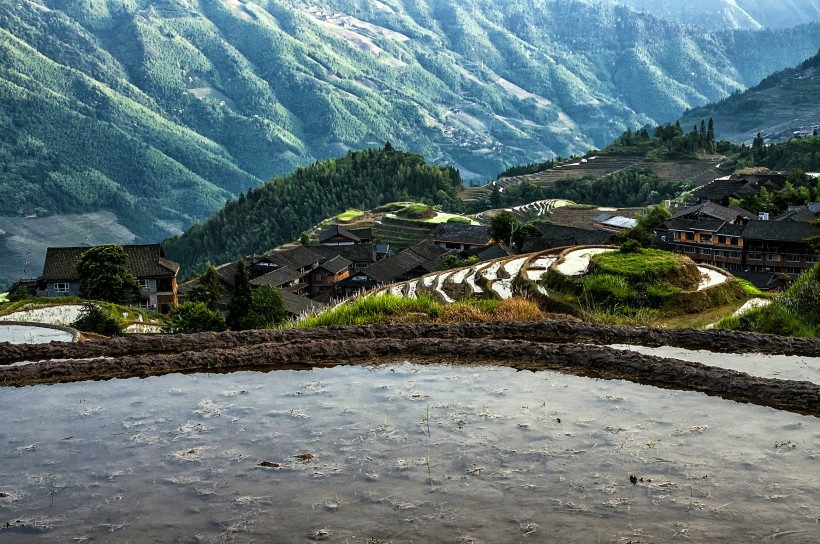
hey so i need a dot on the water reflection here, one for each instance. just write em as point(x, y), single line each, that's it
point(401, 454)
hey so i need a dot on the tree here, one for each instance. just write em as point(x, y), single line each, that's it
point(104, 276)
point(209, 290)
point(522, 233)
point(241, 298)
point(94, 319)
point(267, 309)
point(654, 217)
point(193, 317)
point(502, 227)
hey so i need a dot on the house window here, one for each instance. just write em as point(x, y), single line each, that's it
point(705, 238)
point(144, 284)
point(734, 255)
point(755, 256)
point(772, 256)
point(145, 305)
point(734, 241)
point(688, 249)
point(792, 258)
point(796, 270)
point(705, 251)
point(721, 239)
point(61, 287)
point(718, 253)
point(811, 258)
point(690, 235)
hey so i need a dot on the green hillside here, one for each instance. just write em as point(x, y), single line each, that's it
point(159, 110)
point(283, 208)
point(778, 106)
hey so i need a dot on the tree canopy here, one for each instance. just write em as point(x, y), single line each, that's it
point(104, 276)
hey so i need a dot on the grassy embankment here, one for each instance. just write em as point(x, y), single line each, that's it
point(648, 287)
point(795, 312)
point(391, 309)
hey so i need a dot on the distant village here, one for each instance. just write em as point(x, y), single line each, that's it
point(770, 252)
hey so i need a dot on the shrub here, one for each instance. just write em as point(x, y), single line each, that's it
point(95, 319)
point(458, 219)
point(193, 317)
point(630, 246)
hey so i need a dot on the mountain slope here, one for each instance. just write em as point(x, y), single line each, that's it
point(731, 14)
point(159, 110)
point(283, 208)
point(777, 107)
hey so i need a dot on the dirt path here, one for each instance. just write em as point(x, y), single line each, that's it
point(557, 345)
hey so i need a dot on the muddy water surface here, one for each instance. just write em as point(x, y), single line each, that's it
point(400, 453)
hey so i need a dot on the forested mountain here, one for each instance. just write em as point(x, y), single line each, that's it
point(159, 110)
point(781, 104)
point(730, 14)
point(283, 208)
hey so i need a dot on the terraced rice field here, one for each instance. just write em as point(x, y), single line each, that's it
point(497, 279)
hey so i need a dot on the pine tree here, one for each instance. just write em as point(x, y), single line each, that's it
point(241, 298)
point(710, 131)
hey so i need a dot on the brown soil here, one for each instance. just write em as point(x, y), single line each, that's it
point(556, 345)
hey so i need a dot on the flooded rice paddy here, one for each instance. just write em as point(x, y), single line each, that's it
point(32, 334)
point(400, 453)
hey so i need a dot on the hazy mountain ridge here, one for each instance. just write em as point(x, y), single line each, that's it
point(780, 105)
point(728, 14)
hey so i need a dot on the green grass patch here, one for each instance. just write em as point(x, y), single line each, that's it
point(4, 297)
point(417, 211)
point(392, 309)
point(451, 218)
point(350, 215)
point(648, 266)
point(795, 312)
point(376, 309)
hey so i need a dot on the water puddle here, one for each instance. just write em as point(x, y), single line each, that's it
point(782, 367)
point(31, 334)
point(400, 453)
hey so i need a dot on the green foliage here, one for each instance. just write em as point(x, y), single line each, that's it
point(452, 261)
point(630, 246)
point(523, 233)
point(648, 266)
point(417, 211)
point(280, 210)
point(103, 275)
point(94, 319)
point(267, 310)
point(795, 312)
point(377, 309)
point(191, 317)
point(654, 217)
point(241, 298)
point(799, 190)
point(636, 234)
point(502, 226)
point(209, 290)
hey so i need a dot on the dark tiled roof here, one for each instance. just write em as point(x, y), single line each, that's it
point(144, 261)
point(428, 250)
point(731, 230)
point(296, 257)
point(461, 233)
point(362, 253)
point(336, 230)
point(336, 264)
point(296, 305)
point(387, 270)
point(280, 276)
point(705, 224)
point(715, 211)
point(802, 215)
point(363, 234)
point(557, 234)
point(603, 217)
point(488, 253)
point(779, 231)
